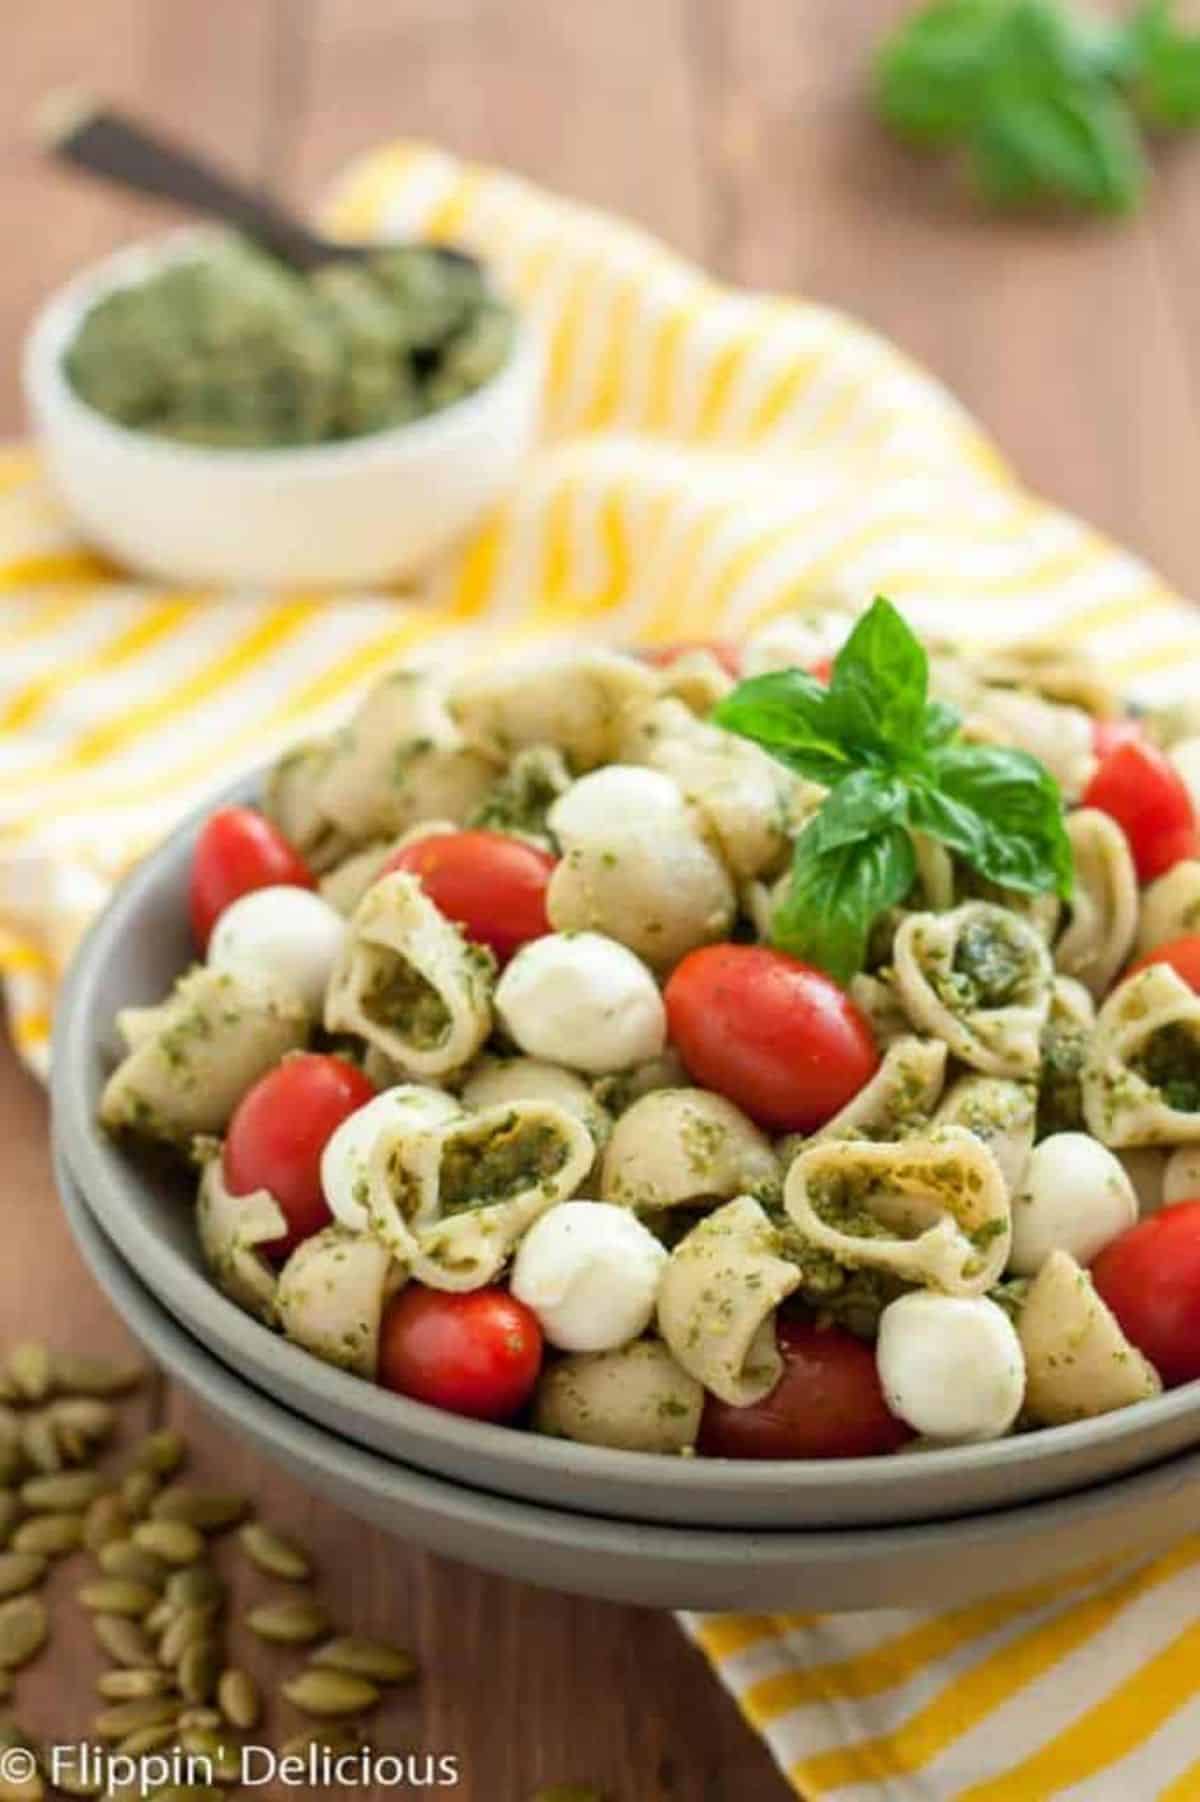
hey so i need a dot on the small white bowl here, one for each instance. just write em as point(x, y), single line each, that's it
point(364, 510)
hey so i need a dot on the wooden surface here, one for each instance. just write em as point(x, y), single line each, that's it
point(736, 129)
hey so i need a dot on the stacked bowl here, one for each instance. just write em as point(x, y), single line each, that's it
point(919, 1527)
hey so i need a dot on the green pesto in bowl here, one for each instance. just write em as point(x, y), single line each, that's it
point(223, 347)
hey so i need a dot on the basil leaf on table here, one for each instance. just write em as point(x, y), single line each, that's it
point(1163, 65)
point(836, 896)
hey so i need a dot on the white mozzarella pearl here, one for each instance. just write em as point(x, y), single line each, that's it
point(583, 1000)
point(1074, 1196)
point(590, 1272)
point(951, 1366)
point(348, 1150)
point(289, 933)
point(619, 795)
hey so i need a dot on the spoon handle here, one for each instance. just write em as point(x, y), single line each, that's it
point(106, 143)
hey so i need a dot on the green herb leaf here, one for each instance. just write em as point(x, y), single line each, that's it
point(1002, 811)
point(877, 692)
point(836, 896)
point(930, 74)
point(786, 713)
point(1163, 68)
point(1075, 143)
point(858, 807)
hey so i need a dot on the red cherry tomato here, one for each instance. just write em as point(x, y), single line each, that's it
point(1150, 1278)
point(238, 850)
point(1183, 956)
point(491, 885)
point(278, 1132)
point(1108, 734)
point(1148, 798)
point(727, 654)
point(780, 1039)
point(477, 1354)
point(827, 1404)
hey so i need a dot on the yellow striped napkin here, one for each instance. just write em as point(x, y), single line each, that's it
point(711, 458)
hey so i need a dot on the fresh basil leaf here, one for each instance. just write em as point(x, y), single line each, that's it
point(930, 73)
point(859, 806)
point(1163, 68)
point(1002, 811)
point(835, 897)
point(942, 721)
point(877, 692)
point(786, 712)
point(1073, 143)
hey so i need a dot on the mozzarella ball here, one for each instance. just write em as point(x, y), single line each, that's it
point(348, 1150)
point(590, 1272)
point(951, 1367)
point(579, 999)
point(1074, 1196)
point(288, 933)
point(613, 796)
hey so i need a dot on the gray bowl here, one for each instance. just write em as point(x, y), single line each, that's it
point(942, 1564)
point(133, 954)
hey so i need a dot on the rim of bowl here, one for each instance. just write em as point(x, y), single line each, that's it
point(50, 395)
point(228, 1393)
point(78, 1030)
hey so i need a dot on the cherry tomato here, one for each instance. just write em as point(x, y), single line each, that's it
point(1148, 798)
point(1150, 1278)
point(278, 1132)
point(727, 654)
point(1183, 956)
point(1108, 734)
point(238, 850)
point(491, 885)
point(780, 1039)
point(477, 1354)
point(827, 1404)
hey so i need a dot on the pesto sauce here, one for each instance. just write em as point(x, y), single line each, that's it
point(988, 969)
point(1170, 1063)
point(399, 996)
point(477, 1173)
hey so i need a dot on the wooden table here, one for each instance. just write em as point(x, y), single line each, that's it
point(736, 129)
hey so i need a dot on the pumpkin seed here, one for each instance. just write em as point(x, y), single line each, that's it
point(188, 1625)
point(82, 1425)
point(50, 1535)
point(372, 1658)
point(130, 1685)
point(147, 1739)
point(78, 1375)
point(22, 1789)
point(68, 1489)
point(118, 1595)
point(199, 1669)
point(138, 1491)
point(237, 1693)
point(199, 1717)
point(10, 1514)
point(196, 1583)
point(273, 1553)
point(334, 1737)
point(290, 1623)
point(12, 1455)
point(8, 1388)
point(124, 1640)
point(20, 1571)
point(329, 1694)
point(107, 1519)
point(222, 1755)
point(23, 1628)
point(122, 1558)
point(162, 1452)
point(130, 1717)
point(170, 1540)
point(39, 1442)
point(31, 1370)
point(73, 1446)
point(208, 1509)
point(160, 1618)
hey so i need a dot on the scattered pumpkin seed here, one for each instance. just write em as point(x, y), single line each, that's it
point(138, 1490)
point(20, 1571)
point(23, 1628)
point(188, 1625)
point(294, 1622)
point(160, 1617)
point(199, 1717)
point(147, 1739)
point(10, 1514)
point(237, 1693)
point(79, 1375)
point(208, 1509)
point(118, 1595)
point(130, 1717)
point(12, 1455)
point(372, 1658)
point(132, 1685)
point(162, 1452)
point(107, 1519)
point(39, 1442)
point(222, 1754)
point(92, 1419)
point(50, 1535)
point(196, 1583)
point(65, 1490)
point(170, 1540)
point(274, 1553)
point(8, 1388)
point(122, 1558)
point(199, 1669)
point(335, 1737)
point(124, 1640)
point(328, 1694)
point(31, 1370)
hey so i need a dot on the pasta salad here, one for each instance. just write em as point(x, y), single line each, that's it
point(788, 1049)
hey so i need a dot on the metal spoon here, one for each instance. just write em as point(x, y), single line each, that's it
point(96, 138)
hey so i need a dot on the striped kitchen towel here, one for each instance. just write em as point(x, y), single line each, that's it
point(710, 458)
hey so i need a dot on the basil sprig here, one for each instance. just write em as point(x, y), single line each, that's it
point(894, 762)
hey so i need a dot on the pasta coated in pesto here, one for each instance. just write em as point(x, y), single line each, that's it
point(231, 1229)
point(1078, 1362)
point(676, 1147)
point(331, 1297)
point(637, 1399)
point(1141, 1076)
point(1104, 906)
point(979, 978)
